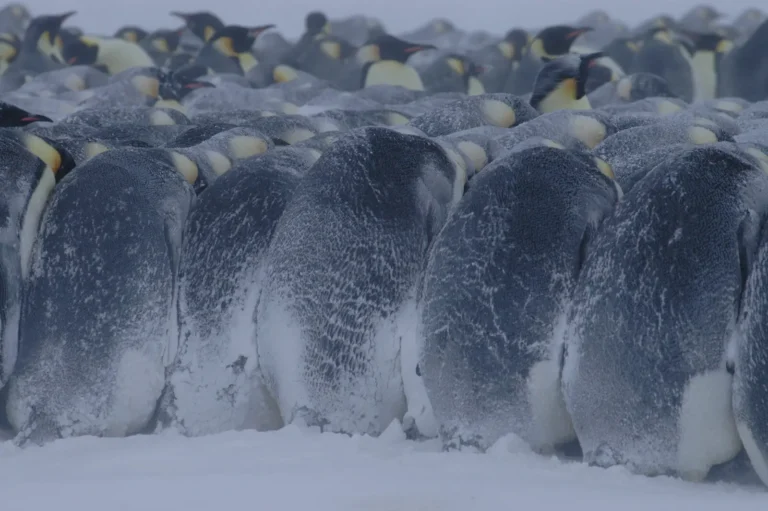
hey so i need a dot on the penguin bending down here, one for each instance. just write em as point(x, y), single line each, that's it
point(561, 84)
point(98, 323)
point(30, 168)
point(341, 270)
point(216, 385)
point(114, 55)
point(498, 281)
point(646, 378)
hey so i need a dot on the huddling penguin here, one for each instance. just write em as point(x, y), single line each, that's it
point(557, 233)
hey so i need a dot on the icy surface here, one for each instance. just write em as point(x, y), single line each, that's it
point(292, 469)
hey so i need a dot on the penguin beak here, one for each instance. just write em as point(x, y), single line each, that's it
point(181, 15)
point(419, 47)
point(576, 33)
point(254, 32)
point(63, 17)
point(197, 85)
point(35, 118)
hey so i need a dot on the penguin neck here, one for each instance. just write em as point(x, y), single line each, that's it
point(391, 72)
point(475, 87)
point(703, 65)
point(563, 97)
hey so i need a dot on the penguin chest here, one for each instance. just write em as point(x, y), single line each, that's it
point(563, 97)
point(390, 72)
point(704, 75)
point(475, 87)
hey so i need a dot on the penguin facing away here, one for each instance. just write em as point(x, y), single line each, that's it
point(93, 361)
point(497, 284)
point(327, 321)
point(689, 227)
point(216, 384)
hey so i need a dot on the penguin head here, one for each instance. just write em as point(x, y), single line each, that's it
point(131, 33)
point(561, 83)
point(176, 85)
point(14, 117)
point(164, 41)
point(389, 47)
point(10, 45)
point(513, 44)
point(706, 13)
point(555, 41)
point(316, 23)
point(79, 51)
point(711, 42)
point(42, 35)
point(203, 24)
point(235, 39)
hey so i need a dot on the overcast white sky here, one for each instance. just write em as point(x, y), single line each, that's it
point(104, 16)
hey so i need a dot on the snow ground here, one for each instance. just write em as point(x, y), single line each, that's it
point(305, 470)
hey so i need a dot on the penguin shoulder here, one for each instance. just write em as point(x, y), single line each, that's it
point(117, 54)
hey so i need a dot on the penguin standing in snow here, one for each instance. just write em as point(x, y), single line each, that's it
point(343, 264)
point(98, 325)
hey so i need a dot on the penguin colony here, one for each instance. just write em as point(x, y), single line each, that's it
point(559, 234)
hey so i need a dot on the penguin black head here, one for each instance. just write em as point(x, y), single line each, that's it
point(561, 83)
point(513, 44)
point(203, 23)
point(177, 84)
point(78, 51)
point(712, 42)
point(164, 41)
point(555, 41)
point(42, 34)
point(316, 23)
point(131, 33)
point(14, 117)
point(234, 39)
point(390, 47)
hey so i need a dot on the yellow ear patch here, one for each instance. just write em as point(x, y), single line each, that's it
point(283, 73)
point(537, 49)
point(498, 113)
point(208, 32)
point(369, 53)
point(507, 49)
point(219, 163)
point(225, 46)
point(185, 166)
point(587, 129)
point(604, 167)
point(724, 46)
point(474, 152)
point(94, 149)
point(161, 45)
point(331, 49)
point(457, 65)
point(624, 89)
point(244, 146)
point(247, 61)
point(700, 136)
point(43, 150)
point(147, 85)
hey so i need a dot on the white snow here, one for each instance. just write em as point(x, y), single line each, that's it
point(307, 470)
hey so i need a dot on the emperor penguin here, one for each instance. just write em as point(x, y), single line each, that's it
point(748, 357)
point(216, 384)
point(131, 33)
point(662, 54)
point(228, 50)
point(10, 45)
point(561, 83)
point(328, 321)
point(387, 64)
point(454, 73)
point(647, 378)
point(203, 24)
point(700, 18)
point(319, 52)
point(92, 361)
point(709, 50)
point(744, 70)
point(41, 46)
point(500, 59)
point(12, 116)
point(113, 55)
point(31, 167)
point(161, 44)
point(496, 288)
point(550, 43)
point(502, 110)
